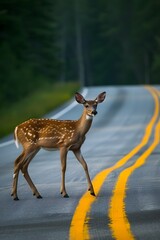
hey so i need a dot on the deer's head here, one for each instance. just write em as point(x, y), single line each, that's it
point(90, 105)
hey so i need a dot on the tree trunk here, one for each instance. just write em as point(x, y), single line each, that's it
point(80, 57)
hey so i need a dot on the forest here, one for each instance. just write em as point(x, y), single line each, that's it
point(94, 42)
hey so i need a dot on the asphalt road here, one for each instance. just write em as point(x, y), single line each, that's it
point(123, 154)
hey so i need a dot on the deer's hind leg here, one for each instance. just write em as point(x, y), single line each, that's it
point(26, 175)
point(17, 167)
point(28, 153)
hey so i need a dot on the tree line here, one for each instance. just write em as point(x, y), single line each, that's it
point(95, 42)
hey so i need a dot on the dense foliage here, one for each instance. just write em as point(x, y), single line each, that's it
point(27, 47)
point(119, 40)
point(95, 42)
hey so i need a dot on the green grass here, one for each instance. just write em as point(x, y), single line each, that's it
point(36, 105)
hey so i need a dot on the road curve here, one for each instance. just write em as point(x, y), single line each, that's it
point(123, 154)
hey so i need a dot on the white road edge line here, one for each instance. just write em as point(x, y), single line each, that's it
point(57, 115)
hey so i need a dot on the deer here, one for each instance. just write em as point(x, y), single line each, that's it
point(53, 134)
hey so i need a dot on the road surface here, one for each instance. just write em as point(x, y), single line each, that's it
point(122, 150)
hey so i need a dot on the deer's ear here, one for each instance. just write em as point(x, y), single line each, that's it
point(101, 97)
point(79, 98)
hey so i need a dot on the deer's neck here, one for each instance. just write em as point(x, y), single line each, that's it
point(84, 123)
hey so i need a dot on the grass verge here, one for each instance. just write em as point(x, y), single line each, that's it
point(36, 105)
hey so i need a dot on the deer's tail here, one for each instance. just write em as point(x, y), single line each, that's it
point(16, 137)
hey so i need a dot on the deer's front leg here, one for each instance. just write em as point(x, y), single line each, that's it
point(63, 156)
point(84, 164)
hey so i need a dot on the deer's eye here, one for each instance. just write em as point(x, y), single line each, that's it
point(87, 106)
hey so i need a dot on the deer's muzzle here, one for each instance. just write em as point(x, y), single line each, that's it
point(94, 112)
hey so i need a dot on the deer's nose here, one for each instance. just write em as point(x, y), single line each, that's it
point(94, 112)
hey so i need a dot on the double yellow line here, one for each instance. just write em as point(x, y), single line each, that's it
point(118, 219)
point(120, 225)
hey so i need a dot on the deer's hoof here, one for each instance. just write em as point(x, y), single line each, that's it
point(93, 194)
point(15, 198)
point(39, 197)
point(66, 196)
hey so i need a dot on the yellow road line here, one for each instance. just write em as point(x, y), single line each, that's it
point(120, 225)
point(79, 224)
